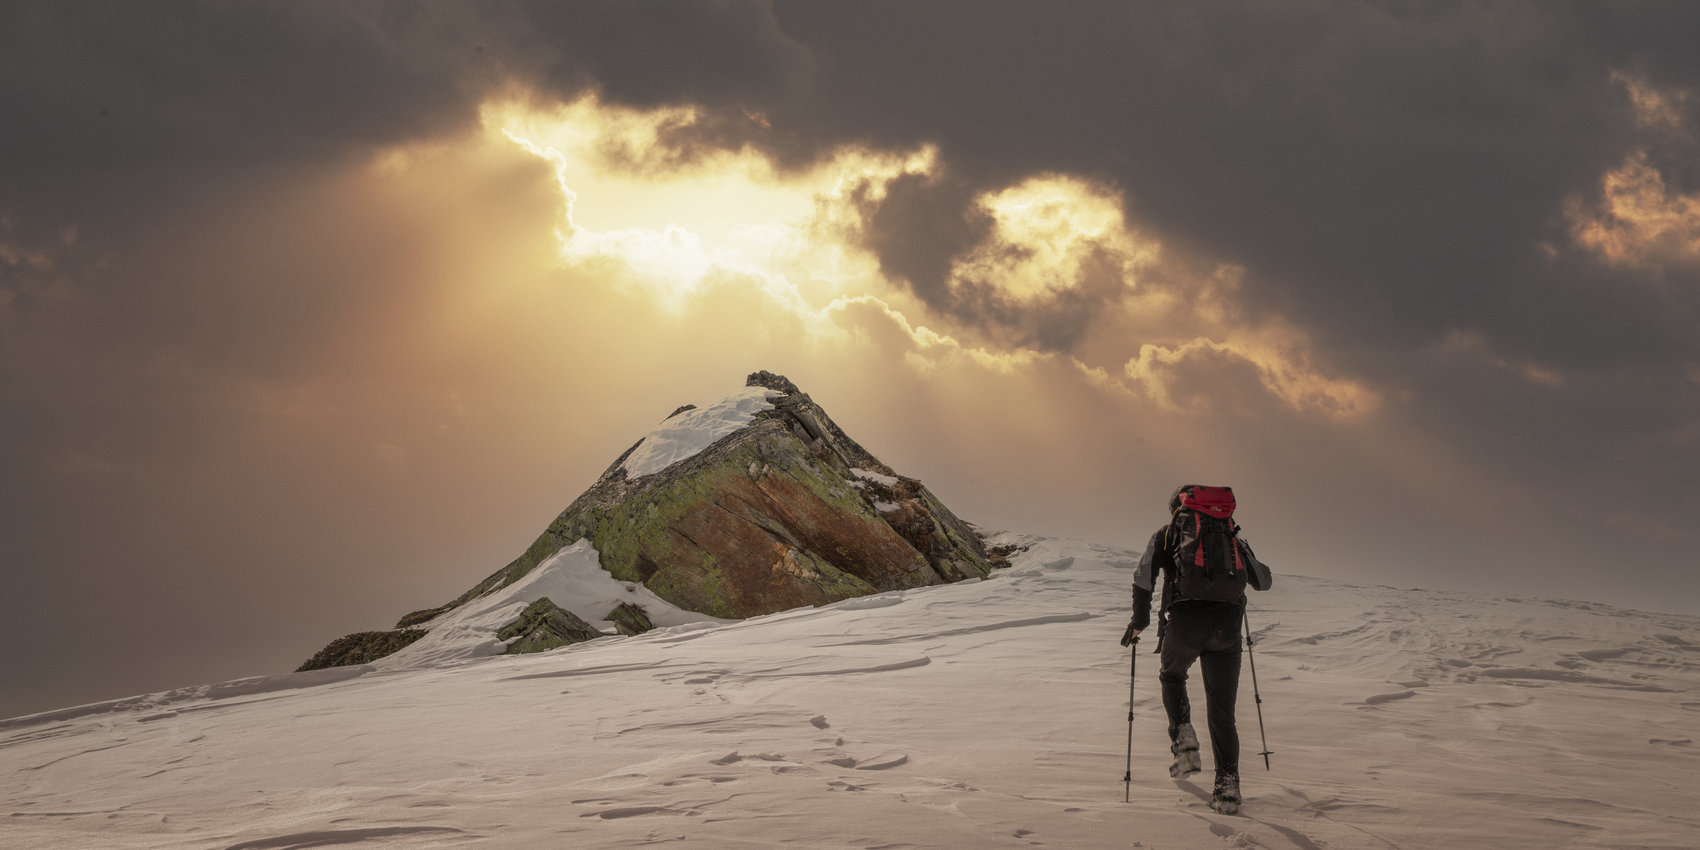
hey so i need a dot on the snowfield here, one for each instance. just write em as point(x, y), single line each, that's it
point(983, 714)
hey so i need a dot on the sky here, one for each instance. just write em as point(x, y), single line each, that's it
point(314, 314)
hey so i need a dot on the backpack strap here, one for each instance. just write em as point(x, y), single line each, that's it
point(1168, 586)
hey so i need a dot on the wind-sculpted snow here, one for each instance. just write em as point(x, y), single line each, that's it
point(326, 838)
point(980, 714)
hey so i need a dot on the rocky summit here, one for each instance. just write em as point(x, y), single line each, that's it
point(783, 510)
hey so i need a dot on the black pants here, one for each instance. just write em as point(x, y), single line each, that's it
point(1207, 632)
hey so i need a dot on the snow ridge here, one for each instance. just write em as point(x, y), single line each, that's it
point(687, 434)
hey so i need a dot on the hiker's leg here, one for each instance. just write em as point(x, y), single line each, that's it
point(1182, 641)
point(1219, 665)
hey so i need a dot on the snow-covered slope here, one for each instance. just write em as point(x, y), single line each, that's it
point(974, 715)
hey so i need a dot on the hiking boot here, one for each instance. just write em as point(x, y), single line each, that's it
point(1185, 749)
point(1226, 799)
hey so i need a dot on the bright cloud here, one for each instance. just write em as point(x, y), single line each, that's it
point(675, 224)
point(1639, 219)
point(1179, 379)
point(1655, 108)
point(1046, 230)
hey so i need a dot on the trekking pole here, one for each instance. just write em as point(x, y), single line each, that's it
point(1127, 780)
point(1259, 697)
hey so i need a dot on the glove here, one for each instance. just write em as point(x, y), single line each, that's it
point(1131, 636)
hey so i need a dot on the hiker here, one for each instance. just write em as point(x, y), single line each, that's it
point(1205, 568)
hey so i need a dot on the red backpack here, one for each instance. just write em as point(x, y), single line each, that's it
point(1205, 543)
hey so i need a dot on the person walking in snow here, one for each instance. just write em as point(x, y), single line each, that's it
point(1206, 569)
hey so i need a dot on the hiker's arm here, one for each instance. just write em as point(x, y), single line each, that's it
point(1141, 609)
point(1144, 580)
point(1258, 576)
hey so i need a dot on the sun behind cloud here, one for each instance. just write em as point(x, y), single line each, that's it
point(678, 229)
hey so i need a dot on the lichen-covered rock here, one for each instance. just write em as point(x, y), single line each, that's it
point(361, 648)
point(543, 625)
point(629, 619)
point(784, 512)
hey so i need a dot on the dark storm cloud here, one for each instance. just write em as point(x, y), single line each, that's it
point(918, 227)
point(659, 53)
point(97, 90)
point(143, 101)
point(1385, 171)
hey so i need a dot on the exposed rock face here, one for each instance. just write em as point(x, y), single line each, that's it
point(361, 648)
point(770, 517)
point(544, 626)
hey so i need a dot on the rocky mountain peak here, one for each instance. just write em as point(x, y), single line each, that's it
point(754, 504)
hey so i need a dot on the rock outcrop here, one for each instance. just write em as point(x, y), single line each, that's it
point(784, 511)
point(629, 619)
point(361, 648)
point(544, 626)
